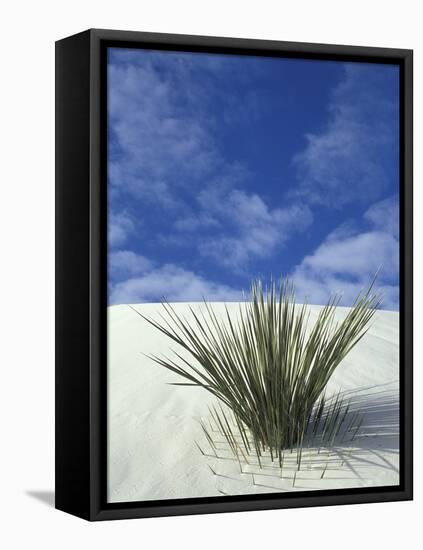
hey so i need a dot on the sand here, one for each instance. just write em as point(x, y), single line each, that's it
point(153, 426)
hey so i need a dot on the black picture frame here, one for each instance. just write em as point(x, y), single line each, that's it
point(81, 275)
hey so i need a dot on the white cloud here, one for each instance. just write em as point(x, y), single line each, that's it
point(173, 284)
point(352, 158)
point(120, 225)
point(194, 222)
point(318, 291)
point(124, 263)
point(253, 229)
point(385, 215)
point(162, 136)
point(347, 260)
point(163, 133)
point(356, 255)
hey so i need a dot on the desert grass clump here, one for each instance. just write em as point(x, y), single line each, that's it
point(267, 365)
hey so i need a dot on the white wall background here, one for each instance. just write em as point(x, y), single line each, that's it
point(28, 32)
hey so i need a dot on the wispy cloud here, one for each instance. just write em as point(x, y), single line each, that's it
point(125, 263)
point(253, 229)
point(163, 141)
point(120, 226)
point(160, 138)
point(384, 216)
point(348, 258)
point(353, 157)
point(173, 284)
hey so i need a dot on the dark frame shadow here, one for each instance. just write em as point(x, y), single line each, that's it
point(46, 497)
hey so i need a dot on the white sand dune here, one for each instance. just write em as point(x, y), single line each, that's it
point(152, 425)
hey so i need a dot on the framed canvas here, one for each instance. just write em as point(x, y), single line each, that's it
point(234, 274)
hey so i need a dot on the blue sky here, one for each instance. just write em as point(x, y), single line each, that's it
point(223, 169)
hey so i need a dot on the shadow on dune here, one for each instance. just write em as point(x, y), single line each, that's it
point(380, 429)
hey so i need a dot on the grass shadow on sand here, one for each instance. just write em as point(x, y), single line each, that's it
point(375, 446)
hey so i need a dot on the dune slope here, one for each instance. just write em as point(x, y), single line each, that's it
point(152, 425)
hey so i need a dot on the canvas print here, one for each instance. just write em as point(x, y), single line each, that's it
point(253, 275)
